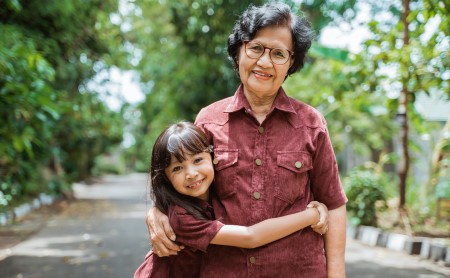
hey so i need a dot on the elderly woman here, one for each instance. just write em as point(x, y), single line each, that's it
point(272, 156)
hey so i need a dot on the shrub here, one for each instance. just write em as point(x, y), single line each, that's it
point(109, 164)
point(365, 191)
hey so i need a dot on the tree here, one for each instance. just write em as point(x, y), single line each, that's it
point(185, 65)
point(403, 68)
point(47, 111)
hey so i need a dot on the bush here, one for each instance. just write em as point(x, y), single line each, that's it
point(365, 191)
point(109, 164)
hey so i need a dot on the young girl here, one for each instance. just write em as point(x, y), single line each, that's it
point(181, 174)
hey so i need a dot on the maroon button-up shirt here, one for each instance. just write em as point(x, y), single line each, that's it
point(194, 234)
point(269, 170)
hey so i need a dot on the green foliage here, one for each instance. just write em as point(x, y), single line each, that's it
point(443, 184)
point(417, 66)
point(443, 189)
point(52, 126)
point(185, 66)
point(109, 164)
point(353, 115)
point(364, 190)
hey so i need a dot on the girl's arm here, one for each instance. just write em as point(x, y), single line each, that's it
point(266, 231)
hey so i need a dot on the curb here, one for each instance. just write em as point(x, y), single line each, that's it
point(8, 218)
point(434, 249)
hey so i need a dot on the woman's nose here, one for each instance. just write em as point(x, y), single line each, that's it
point(265, 58)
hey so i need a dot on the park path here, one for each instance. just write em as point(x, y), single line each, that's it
point(103, 234)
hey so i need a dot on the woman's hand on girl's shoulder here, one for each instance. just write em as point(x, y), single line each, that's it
point(162, 236)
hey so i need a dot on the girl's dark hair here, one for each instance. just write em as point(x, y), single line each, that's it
point(179, 140)
point(271, 15)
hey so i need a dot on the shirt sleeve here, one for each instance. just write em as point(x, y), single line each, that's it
point(325, 183)
point(192, 232)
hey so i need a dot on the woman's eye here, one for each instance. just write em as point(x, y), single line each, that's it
point(279, 53)
point(256, 48)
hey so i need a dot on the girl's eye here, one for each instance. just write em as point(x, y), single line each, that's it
point(176, 168)
point(198, 160)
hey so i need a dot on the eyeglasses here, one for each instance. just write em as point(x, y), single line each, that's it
point(278, 56)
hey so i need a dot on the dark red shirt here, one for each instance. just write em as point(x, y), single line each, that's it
point(194, 234)
point(269, 170)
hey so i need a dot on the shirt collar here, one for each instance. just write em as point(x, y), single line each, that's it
point(239, 101)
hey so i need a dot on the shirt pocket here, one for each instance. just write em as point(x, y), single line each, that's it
point(291, 177)
point(225, 163)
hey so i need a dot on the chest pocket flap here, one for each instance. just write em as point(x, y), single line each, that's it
point(225, 162)
point(225, 158)
point(297, 162)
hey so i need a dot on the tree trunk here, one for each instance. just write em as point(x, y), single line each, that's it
point(403, 115)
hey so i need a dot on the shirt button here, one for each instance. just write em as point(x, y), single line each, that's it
point(261, 129)
point(215, 161)
point(258, 161)
point(257, 195)
point(252, 260)
point(298, 164)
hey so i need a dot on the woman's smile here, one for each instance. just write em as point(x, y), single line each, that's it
point(262, 75)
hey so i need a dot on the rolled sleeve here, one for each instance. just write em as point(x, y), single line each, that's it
point(192, 232)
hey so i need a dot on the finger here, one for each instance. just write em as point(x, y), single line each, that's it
point(168, 230)
point(158, 225)
point(163, 251)
point(313, 204)
point(321, 231)
point(162, 243)
point(150, 220)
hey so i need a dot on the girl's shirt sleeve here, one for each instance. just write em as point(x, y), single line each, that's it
point(192, 232)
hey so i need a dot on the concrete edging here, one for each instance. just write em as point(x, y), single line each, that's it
point(435, 249)
point(7, 218)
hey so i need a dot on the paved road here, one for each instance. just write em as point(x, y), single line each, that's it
point(103, 234)
point(369, 262)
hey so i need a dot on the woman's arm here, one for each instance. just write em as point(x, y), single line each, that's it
point(335, 243)
point(266, 231)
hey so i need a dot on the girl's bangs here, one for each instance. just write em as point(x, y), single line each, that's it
point(185, 143)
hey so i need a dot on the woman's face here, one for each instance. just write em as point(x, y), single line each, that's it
point(261, 77)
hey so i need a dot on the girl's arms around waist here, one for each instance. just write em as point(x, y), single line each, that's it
point(268, 230)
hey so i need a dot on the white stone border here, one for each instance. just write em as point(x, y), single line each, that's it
point(7, 218)
point(435, 249)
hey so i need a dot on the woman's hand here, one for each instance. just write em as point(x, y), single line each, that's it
point(322, 226)
point(162, 236)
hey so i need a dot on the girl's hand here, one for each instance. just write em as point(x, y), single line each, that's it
point(162, 236)
point(322, 226)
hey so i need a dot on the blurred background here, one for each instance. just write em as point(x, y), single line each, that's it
point(87, 85)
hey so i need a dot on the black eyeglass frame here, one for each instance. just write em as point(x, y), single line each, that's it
point(291, 53)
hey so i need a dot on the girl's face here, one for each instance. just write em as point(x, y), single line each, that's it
point(261, 77)
point(192, 176)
